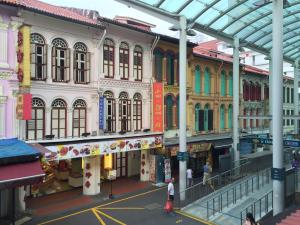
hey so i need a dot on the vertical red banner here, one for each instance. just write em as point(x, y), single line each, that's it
point(27, 106)
point(158, 107)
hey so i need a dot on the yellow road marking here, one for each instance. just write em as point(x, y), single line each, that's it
point(134, 196)
point(64, 217)
point(86, 210)
point(128, 208)
point(110, 217)
point(98, 217)
point(194, 218)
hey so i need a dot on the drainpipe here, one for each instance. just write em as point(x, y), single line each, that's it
point(154, 45)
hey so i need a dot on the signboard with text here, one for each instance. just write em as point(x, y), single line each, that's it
point(102, 113)
point(158, 107)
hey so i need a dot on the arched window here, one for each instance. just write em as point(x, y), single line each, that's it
point(60, 61)
point(198, 118)
point(223, 83)
point(79, 118)
point(38, 57)
point(230, 117)
point(35, 128)
point(82, 61)
point(124, 60)
point(230, 84)
point(158, 62)
point(59, 118)
point(138, 63)
point(170, 69)
point(207, 81)
point(124, 112)
point(222, 117)
point(169, 112)
point(108, 58)
point(110, 112)
point(137, 112)
point(197, 80)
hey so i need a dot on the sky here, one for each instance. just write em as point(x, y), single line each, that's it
point(111, 8)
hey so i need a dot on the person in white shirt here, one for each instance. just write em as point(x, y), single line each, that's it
point(189, 177)
point(171, 190)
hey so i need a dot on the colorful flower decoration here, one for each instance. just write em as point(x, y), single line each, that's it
point(20, 75)
point(88, 175)
point(20, 38)
point(20, 56)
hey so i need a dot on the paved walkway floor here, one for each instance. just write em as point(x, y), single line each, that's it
point(142, 207)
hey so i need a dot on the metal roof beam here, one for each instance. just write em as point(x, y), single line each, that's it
point(146, 8)
point(270, 23)
point(261, 17)
point(184, 6)
point(203, 11)
point(159, 3)
point(226, 11)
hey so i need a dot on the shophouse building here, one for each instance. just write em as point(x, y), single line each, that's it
point(90, 81)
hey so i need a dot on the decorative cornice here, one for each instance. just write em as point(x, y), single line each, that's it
point(59, 87)
point(111, 83)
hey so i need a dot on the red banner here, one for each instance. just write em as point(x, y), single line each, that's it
point(24, 106)
point(158, 107)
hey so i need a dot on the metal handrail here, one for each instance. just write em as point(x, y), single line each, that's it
point(266, 207)
point(199, 190)
point(218, 200)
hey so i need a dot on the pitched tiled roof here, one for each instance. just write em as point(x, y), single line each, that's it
point(51, 10)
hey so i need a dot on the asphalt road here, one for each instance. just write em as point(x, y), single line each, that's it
point(145, 208)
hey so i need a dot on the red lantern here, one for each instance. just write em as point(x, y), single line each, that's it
point(20, 56)
point(88, 166)
point(20, 38)
point(20, 75)
point(87, 184)
point(88, 175)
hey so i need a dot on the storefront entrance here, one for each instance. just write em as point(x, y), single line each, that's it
point(120, 163)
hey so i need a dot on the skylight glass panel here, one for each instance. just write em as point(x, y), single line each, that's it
point(193, 9)
point(172, 6)
point(150, 2)
point(208, 16)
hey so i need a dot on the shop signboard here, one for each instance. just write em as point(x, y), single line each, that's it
point(287, 143)
point(158, 107)
point(61, 152)
point(152, 168)
point(182, 156)
point(167, 163)
point(24, 106)
point(101, 113)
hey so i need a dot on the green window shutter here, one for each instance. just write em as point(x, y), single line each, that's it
point(197, 110)
point(222, 117)
point(223, 84)
point(197, 80)
point(170, 70)
point(230, 116)
point(206, 109)
point(169, 112)
point(230, 84)
point(158, 66)
point(207, 82)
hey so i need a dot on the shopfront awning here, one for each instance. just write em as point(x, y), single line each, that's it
point(16, 175)
point(222, 143)
point(16, 151)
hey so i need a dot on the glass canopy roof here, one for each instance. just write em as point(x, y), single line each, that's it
point(249, 20)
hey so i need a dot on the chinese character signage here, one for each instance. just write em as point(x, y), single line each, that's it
point(102, 113)
point(23, 56)
point(158, 107)
point(24, 106)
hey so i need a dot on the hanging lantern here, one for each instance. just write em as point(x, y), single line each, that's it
point(108, 161)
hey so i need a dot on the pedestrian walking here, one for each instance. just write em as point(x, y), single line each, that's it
point(189, 177)
point(169, 204)
point(206, 173)
point(250, 220)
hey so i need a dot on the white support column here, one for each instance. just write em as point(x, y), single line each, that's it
point(48, 121)
point(70, 122)
point(270, 94)
point(296, 95)
point(236, 97)
point(91, 175)
point(277, 104)
point(182, 105)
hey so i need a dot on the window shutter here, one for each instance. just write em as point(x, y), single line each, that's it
point(129, 115)
point(210, 119)
point(45, 60)
point(88, 67)
point(201, 120)
point(33, 61)
point(75, 67)
point(54, 65)
point(67, 67)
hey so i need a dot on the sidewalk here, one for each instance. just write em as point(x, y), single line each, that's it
point(62, 201)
